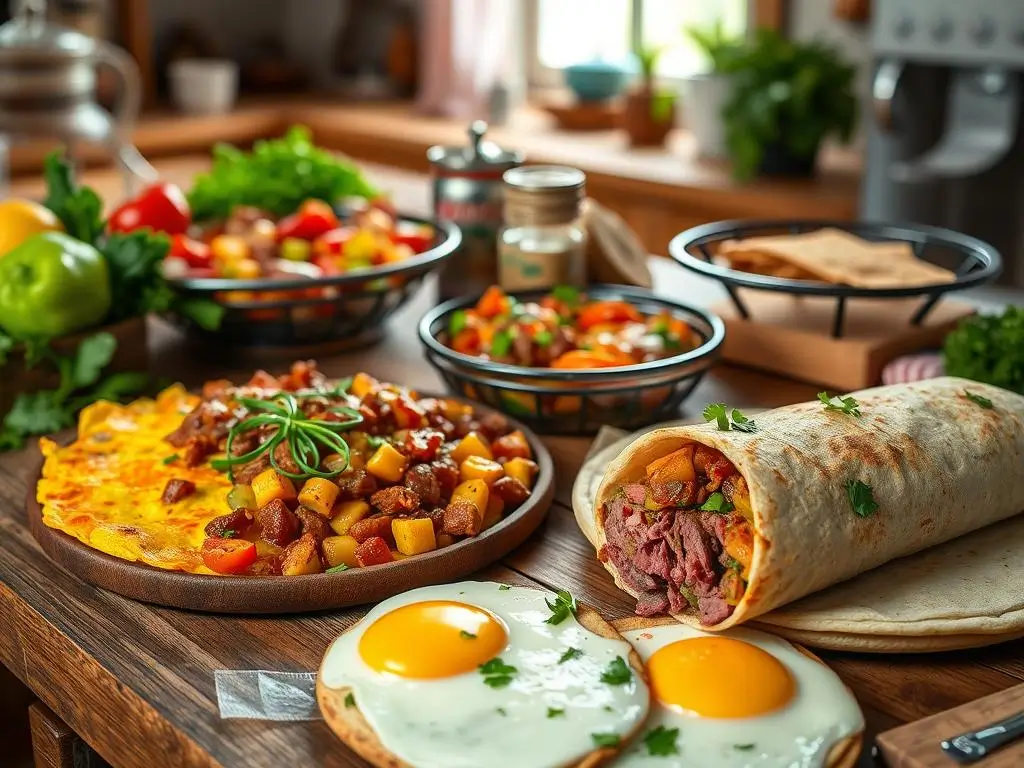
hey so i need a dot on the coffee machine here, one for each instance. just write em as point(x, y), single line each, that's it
point(946, 139)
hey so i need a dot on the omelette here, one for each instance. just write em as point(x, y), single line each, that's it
point(105, 488)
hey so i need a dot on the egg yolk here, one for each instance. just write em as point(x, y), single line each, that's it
point(719, 677)
point(432, 639)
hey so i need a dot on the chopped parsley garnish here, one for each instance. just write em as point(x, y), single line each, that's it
point(457, 322)
point(689, 595)
point(337, 568)
point(984, 402)
point(862, 500)
point(561, 608)
point(501, 711)
point(569, 655)
point(466, 635)
point(606, 739)
point(501, 344)
point(661, 741)
point(717, 502)
point(566, 293)
point(169, 459)
point(555, 712)
point(504, 587)
point(608, 708)
point(543, 338)
point(719, 413)
point(744, 747)
point(617, 672)
point(350, 700)
point(847, 405)
point(229, 534)
point(497, 674)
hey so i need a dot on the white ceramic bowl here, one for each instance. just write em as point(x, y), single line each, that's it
point(203, 86)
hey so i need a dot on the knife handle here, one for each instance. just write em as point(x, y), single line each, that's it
point(971, 747)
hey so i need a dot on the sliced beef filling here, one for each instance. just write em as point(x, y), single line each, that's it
point(678, 557)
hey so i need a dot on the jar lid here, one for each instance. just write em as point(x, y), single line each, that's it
point(546, 178)
point(29, 37)
point(479, 155)
point(543, 195)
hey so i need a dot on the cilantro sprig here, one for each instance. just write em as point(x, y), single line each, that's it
point(497, 674)
point(862, 499)
point(717, 502)
point(720, 414)
point(984, 402)
point(554, 712)
point(563, 606)
point(661, 741)
point(569, 655)
point(847, 405)
point(617, 672)
point(606, 739)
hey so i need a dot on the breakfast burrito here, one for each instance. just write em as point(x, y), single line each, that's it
point(725, 521)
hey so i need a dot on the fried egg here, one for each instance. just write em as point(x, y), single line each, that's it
point(471, 674)
point(736, 699)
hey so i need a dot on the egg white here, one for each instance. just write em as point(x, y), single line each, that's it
point(799, 735)
point(460, 722)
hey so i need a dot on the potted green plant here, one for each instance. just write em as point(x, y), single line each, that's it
point(787, 97)
point(705, 94)
point(649, 111)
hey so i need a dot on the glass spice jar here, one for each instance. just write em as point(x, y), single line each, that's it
point(543, 242)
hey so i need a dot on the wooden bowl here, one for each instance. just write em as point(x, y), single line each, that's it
point(131, 355)
point(294, 594)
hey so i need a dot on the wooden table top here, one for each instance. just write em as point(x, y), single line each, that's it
point(136, 681)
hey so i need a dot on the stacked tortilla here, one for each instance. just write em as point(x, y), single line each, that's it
point(940, 464)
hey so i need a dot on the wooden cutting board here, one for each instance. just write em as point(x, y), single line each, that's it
point(916, 745)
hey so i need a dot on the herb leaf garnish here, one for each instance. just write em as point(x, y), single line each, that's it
point(497, 674)
point(606, 739)
point(862, 500)
point(504, 587)
point(569, 655)
point(350, 700)
point(337, 568)
point(847, 405)
point(561, 608)
point(719, 413)
point(169, 459)
point(554, 712)
point(617, 672)
point(466, 635)
point(501, 344)
point(984, 402)
point(661, 741)
point(744, 747)
point(717, 502)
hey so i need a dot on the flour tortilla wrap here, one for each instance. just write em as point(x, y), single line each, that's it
point(939, 465)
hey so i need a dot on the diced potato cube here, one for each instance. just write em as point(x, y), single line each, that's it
point(453, 410)
point(396, 555)
point(301, 558)
point(387, 463)
point(472, 445)
point(340, 550)
point(319, 494)
point(413, 536)
point(363, 384)
point(269, 485)
point(346, 514)
point(523, 470)
point(677, 466)
point(477, 468)
point(445, 540)
point(473, 491)
point(495, 509)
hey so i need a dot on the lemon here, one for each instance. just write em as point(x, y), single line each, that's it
point(20, 219)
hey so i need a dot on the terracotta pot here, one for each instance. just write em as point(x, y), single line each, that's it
point(642, 125)
point(131, 355)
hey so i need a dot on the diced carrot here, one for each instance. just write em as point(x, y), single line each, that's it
point(608, 312)
point(587, 358)
point(494, 302)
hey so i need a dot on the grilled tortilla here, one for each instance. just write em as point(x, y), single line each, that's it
point(938, 464)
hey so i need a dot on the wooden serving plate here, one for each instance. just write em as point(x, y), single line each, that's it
point(296, 594)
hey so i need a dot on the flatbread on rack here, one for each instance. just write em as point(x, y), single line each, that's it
point(834, 256)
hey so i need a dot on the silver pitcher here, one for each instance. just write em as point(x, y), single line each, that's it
point(48, 90)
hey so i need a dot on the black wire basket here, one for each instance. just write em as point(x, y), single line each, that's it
point(973, 261)
point(579, 402)
point(327, 313)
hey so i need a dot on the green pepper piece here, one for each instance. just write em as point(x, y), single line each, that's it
point(52, 285)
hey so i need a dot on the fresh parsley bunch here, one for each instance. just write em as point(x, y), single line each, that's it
point(988, 348)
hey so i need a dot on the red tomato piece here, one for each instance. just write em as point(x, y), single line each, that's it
point(313, 219)
point(195, 253)
point(373, 551)
point(494, 302)
point(599, 312)
point(228, 555)
point(333, 242)
point(419, 237)
point(161, 208)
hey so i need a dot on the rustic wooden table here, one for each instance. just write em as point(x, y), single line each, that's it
point(136, 681)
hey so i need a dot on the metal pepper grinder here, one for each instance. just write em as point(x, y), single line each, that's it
point(468, 191)
point(48, 90)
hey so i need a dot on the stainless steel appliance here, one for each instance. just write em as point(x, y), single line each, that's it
point(946, 142)
point(48, 90)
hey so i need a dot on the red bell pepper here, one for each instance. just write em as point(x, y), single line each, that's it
point(333, 241)
point(195, 253)
point(313, 219)
point(161, 208)
point(419, 237)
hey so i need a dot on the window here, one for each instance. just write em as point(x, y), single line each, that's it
point(565, 32)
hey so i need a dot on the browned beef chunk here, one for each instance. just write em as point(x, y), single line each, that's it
point(177, 489)
point(420, 479)
point(395, 500)
point(313, 524)
point(280, 525)
point(231, 525)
